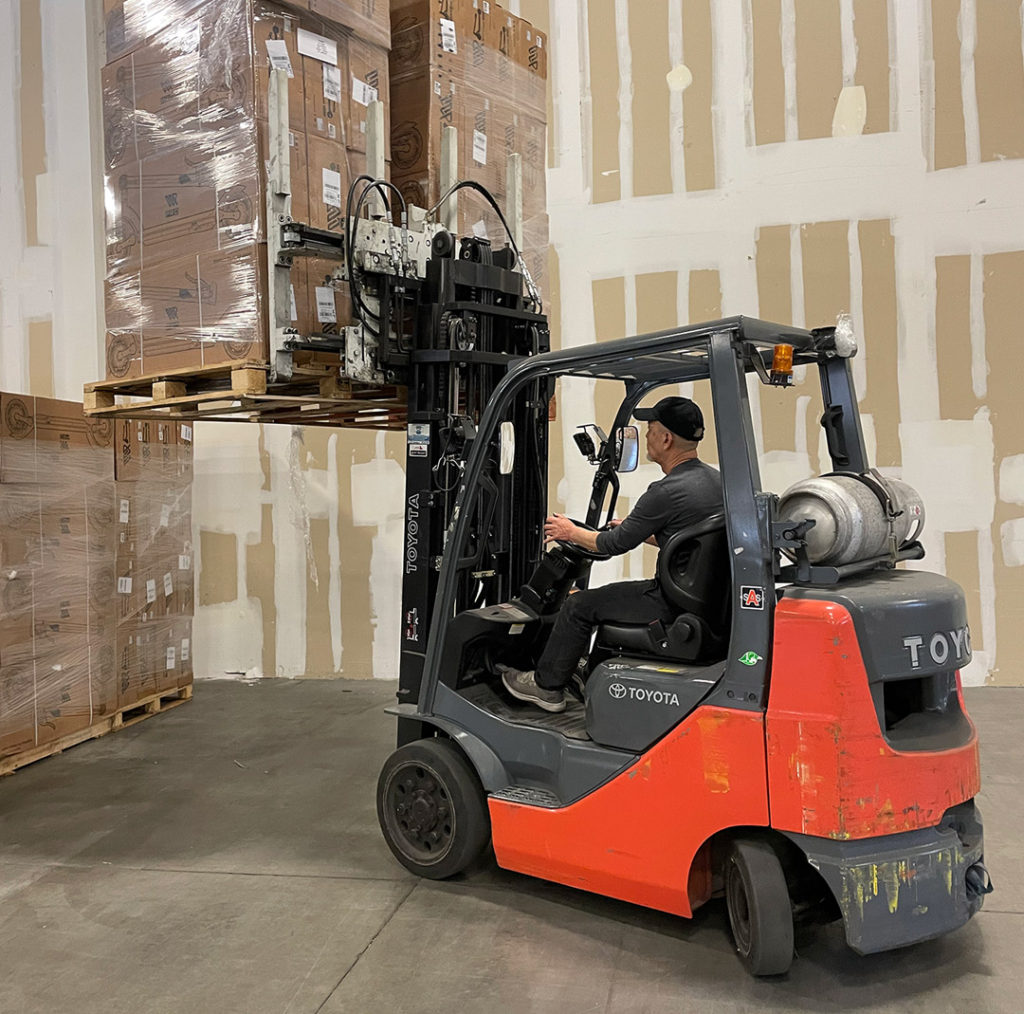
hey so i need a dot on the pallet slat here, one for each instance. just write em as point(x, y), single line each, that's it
point(120, 719)
point(238, 392)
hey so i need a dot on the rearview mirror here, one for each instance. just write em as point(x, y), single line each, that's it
point(627, 448)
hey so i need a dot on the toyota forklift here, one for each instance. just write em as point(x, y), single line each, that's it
point(795, 740)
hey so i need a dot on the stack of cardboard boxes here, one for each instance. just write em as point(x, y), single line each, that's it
point(474, 66)
point(185, 127)
point(62, 621)
point(153, 557)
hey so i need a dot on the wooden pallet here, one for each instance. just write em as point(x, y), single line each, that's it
point(121, 719)
point(239, 392)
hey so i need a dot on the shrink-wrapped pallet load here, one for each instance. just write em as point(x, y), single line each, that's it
point(186, 149)
point(71, 490)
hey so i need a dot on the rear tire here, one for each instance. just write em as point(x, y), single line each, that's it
point(760, 910)
point(432, 809)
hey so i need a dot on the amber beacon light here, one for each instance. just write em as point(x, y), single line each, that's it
point(782, 366)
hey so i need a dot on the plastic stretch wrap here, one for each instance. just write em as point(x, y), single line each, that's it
point(470, 64)
point(186, 149)
point(60, 626)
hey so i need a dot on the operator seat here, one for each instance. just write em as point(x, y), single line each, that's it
point(695, 575)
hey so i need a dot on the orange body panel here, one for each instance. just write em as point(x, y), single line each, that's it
point(637, 837)
point(831, 773)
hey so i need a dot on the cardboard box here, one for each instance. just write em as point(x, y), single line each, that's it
point(330, 175)
point(431, 34)
point(329, 305)
point(368, 19)
point(17, 438)
point(16, 622)
point(70, 446)
point(368, 81)
point(63, 694)
point(299, 177)
point(20, 526)
point(103, 676)
point(279, 28)
point(325, 84)
point(427, 102)
point(17, 709)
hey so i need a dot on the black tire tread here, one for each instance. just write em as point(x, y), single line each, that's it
point(473, 825)
point(769, 905)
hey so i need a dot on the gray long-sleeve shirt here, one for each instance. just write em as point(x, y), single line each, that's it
point(691, 492)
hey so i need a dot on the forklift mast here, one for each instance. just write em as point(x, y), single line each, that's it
point(472, 323)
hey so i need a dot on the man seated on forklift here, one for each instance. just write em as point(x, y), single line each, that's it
point(690, 492)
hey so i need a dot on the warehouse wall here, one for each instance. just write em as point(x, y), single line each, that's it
point(829, 155)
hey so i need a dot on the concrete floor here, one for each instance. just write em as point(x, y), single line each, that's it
point(225, 857)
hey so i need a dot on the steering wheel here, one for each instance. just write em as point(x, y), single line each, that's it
point(578, 552)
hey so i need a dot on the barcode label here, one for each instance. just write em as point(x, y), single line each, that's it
point(277, 50)
point(125, 510)
point(168, 586)
point(316, 46)
point(332, 188)
point(184, 563)
point(151, 591)
point(326, 311)
point(332, 84)
point(171, 654)
point(362, 92)
point(165, 515)
point(124, 586)
point(480, 147)
point(186, 433)
point(184, 649)
point(448, 36)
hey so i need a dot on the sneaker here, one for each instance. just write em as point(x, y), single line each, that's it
point(523, 687)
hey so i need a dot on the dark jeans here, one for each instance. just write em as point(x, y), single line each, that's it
point(623, 601)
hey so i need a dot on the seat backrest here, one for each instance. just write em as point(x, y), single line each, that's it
point(695, 574)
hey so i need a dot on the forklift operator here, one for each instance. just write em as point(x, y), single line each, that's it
point(690, 492)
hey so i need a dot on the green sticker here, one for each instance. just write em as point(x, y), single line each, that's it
point(750, 658)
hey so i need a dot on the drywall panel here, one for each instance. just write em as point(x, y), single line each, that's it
point(999, 80)
point(1004, 282)
point(769, 80)
point(656, 294)
point(880, 338)
point(648, 35)
point(953, 336)
point(962, 566)
point(698, 129)
point(950, 140)
point(819, 65)
point(871, 32)
point(604, 100)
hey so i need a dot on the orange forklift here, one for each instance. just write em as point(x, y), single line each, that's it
point(795, 740)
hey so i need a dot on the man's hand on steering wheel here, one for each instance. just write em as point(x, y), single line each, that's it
point(571, 535)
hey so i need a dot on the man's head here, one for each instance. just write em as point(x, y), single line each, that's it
point(675, 426)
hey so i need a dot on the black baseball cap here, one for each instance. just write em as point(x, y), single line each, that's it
point(679, 415)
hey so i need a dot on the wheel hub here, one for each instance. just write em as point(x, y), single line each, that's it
point(422, 812)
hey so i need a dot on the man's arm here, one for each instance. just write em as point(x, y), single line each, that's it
point(558, 526)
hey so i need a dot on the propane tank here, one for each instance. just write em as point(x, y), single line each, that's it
point(849, 519)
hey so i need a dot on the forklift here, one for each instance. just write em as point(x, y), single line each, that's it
point(796, 740)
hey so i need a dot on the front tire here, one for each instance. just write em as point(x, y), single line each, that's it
point(760, 910)
point(432, 809)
